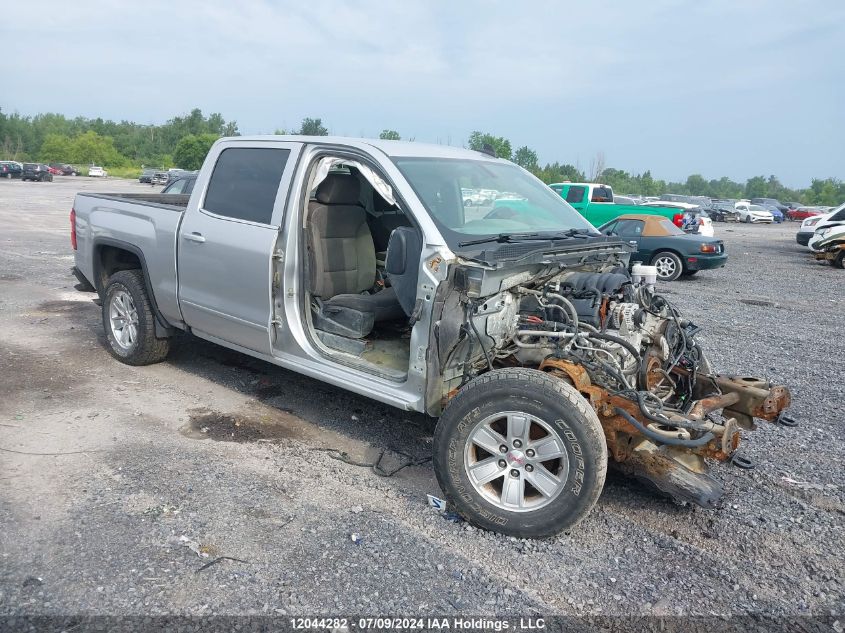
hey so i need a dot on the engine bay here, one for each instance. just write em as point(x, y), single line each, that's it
point(628, 351)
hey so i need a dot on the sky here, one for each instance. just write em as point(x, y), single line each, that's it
point(733, 88)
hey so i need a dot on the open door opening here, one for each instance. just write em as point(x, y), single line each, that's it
point(361, 268)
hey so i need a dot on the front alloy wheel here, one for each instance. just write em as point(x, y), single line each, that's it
point(516, 461)
point(520, 452)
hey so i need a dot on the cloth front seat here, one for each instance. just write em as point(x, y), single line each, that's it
point(342, 262)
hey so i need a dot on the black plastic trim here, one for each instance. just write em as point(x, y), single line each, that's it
point(84, 285)
point(163, 328)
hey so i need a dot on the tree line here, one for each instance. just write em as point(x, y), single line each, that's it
point(822, 191)
point(183, 141)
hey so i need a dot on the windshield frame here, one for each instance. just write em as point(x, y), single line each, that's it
point(453, 237)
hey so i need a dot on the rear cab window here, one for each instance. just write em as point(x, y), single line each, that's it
point(244, 183)
point(602, 194)
point(575, 194)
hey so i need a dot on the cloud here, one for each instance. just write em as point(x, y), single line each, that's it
point(666, 85)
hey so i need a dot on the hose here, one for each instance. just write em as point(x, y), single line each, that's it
point(538, 334)
point(566, 302)
point(619, 341)
point(683, 424)
point(662, 439)
point(480, 342)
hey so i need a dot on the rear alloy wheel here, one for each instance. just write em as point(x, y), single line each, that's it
point(669, 266)
point(129, 321)
point(520, 452)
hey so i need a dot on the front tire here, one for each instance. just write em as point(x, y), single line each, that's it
point(839, 260)
point(555, 462)
point(669, 266)
point(129, 321)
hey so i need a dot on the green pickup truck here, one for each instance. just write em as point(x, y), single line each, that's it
point(595, 202)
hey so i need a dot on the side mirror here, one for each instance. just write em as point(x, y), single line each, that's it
point(397, 249)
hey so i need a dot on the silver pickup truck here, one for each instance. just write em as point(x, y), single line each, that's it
point(358, 263)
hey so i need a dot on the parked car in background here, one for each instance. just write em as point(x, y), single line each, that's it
point(54, 170)
point(147, 176)
point(700, 201)
point(597, 203)
point(809, 226)
point(97, 172)
point(183, 185)
point(753, 213)
point(65, 169)
point(829, 244)
point(802, 213)
point(617, 199)
point(36, 172)
point(769, 202)
point(159, 178)
point(662, 244)
point(694, 218)
point(777, 214)
point(705, 225)
point(723, 210)
point(10, 169)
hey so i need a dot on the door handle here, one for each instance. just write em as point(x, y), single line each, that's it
point(194, 237)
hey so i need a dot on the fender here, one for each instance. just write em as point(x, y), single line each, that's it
point(163, 328)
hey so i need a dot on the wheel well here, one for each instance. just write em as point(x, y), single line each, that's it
point(110, 259)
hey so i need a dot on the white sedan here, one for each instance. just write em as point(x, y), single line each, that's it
point(97, 172)
point(753, 213)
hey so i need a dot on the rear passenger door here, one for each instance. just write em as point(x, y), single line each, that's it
point(226, 242)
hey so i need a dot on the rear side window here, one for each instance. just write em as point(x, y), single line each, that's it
point(629, 228)
point(244, 183)
point(575, 194)
point(670, 228)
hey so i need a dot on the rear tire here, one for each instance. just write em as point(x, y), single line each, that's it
point(669, 266)
point(839, 260)
point(129, 321)
point(533, 415)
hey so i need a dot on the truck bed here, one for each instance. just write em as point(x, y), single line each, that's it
point(172, 201)
point(143, 223)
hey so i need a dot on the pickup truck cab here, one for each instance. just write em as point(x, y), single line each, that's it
point(357, 263)
point(595, 202)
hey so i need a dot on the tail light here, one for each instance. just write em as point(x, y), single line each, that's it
point(678, 219)
point(73, 228)
point(708, 248)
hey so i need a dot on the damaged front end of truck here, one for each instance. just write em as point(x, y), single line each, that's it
point(572, 310)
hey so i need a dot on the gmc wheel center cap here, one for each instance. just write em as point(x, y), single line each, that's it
point(516, 458)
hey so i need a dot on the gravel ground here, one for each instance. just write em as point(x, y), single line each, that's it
point(144, 498)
